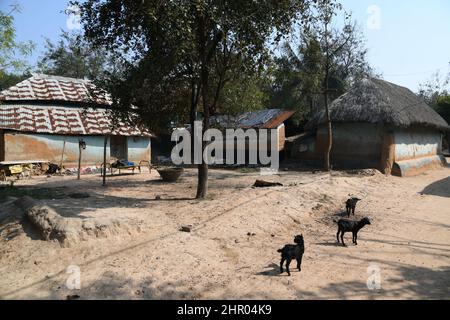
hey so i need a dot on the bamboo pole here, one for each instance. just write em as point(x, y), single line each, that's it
point(62, 156)
point(79, 160)
point(104, 160)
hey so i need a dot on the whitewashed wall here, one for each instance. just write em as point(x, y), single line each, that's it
point(411, 144)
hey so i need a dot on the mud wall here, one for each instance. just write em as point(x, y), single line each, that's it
point(21, 146)
point(139, 148)
point(355, 145)
point(2, 146)
point(416, 143)
point(281, 137)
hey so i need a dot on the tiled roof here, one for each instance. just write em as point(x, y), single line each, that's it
point(62, 120)
point(52, 88)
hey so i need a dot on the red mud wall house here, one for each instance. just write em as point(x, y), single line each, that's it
point(44, 117)
point(267, 119)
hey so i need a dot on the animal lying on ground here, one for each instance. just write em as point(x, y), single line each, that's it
point(345, 225)
point(350, 205)
point(292, 251)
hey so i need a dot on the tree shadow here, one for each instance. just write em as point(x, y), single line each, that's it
point(418, 247)
point(111, 286)
point(74, 208)
point(341, 214)
point(439, 188)
point(413, 281)
point(13, 223)
point(331, 244)
point(172, 199)
point(409, 282)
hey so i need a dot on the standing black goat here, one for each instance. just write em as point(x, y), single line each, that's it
point(350, 205)
point(345, 225)
point(292, 251)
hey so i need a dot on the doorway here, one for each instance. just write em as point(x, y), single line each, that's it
point(119, 148)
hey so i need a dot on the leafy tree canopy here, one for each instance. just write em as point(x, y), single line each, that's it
point(179, 55)
point(72, 56)
point(299, 73)
point(12, 52)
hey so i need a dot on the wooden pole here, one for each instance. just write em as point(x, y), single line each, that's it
point(79, 161)
point(62, 156)
point(104, 160)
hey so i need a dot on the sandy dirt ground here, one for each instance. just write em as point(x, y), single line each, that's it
point(231, 252)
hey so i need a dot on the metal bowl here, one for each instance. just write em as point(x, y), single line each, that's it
point(171, 174)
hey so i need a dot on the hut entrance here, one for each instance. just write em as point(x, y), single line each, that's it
point(387, 153)
point(119, 147)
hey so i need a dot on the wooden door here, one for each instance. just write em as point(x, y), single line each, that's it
point(119, 147)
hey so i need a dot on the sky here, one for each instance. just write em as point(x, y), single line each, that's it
point(408, 40)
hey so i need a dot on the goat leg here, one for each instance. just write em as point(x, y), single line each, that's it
point(281, 265)
point(342, 238)
point(337, 235)
point(299, 263)
point(288, 262)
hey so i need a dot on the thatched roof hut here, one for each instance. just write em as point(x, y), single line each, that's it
point(377, 124)
point(381, 102)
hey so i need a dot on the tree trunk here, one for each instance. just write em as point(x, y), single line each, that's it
point(193, 114)
point(202, 185)
point(327, 163)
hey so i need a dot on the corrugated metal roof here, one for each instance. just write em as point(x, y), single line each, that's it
point(53, 88)
point(257, 118)
point(62, 120)
point(267, 119)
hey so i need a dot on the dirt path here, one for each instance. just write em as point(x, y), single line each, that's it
point(408, 241)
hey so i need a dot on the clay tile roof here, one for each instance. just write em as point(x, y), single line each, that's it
point(52, 88)
point(63, 120)
point(39, 104)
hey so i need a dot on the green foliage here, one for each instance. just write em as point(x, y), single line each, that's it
point(322, 51)
point(442, 107)
point(8, 79)
point(183, 55)
point(435, 88)
point(12, 52)
point(242, 96)
point(436, 92)
point(73, 57)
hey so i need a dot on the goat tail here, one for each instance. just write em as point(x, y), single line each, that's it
point(280, 250)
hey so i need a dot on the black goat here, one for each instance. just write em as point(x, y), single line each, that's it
point(292, 251)
point(350, 205)
point(345, 225)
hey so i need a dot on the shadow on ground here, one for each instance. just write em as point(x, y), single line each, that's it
point(111, 286)
point(412, 281)
point(439, 188)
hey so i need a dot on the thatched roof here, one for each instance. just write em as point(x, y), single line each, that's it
point(381, 102)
